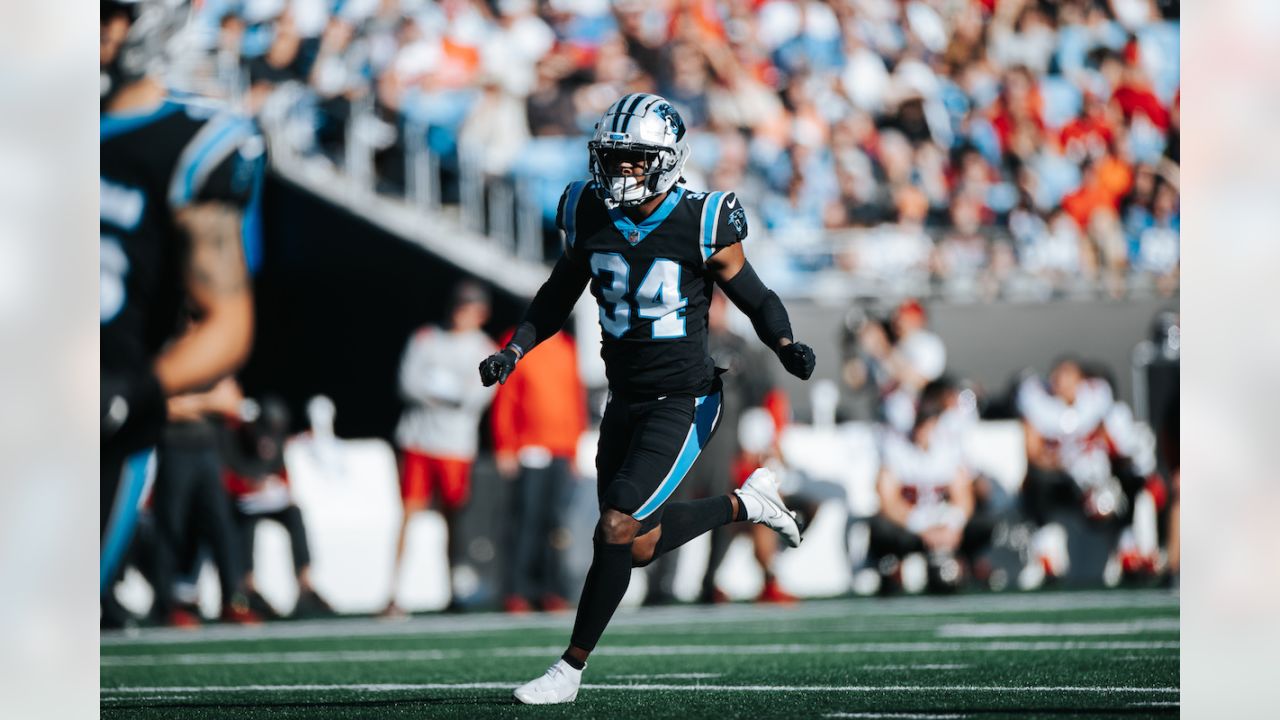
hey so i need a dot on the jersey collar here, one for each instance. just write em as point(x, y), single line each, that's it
point(634, 232)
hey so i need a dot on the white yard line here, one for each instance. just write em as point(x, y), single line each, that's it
point(650, 618)
point(409, 687)
point(935, 666)
point(1145, 658)
point(356, 656)
point(897, 716)
point(1062, 629)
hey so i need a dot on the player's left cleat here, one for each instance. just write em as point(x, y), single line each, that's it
point(559, 684)
point(764, 505)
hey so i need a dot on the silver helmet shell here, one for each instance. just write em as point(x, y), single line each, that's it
point(645, 124)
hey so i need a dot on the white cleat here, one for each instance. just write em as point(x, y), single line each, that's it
point(559, 684)
point(764, 505)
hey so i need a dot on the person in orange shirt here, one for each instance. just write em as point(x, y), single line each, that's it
point(1105, 181)
point(537, 418)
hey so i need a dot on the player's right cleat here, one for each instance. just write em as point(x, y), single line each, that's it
point(759, 494)
point(559, 684)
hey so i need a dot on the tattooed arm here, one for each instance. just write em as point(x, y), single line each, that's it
point(217, 282)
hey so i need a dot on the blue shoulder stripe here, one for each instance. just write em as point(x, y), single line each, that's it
point(710, 217)
point(216, 140)
point(572, 197)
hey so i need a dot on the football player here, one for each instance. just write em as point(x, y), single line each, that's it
point(650, 251)
point(178, 186)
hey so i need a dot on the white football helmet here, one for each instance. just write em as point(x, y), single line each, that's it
point(643, 124)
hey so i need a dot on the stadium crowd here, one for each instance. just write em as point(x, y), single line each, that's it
point(970, 148)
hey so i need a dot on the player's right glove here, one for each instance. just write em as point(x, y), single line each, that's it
point(798, 359)
point(496, 367)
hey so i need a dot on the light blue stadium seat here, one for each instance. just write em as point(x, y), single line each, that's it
point(1062, 100)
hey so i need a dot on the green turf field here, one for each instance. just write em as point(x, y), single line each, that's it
point(1077, 654)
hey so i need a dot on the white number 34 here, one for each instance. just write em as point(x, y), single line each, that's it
point(657, 298)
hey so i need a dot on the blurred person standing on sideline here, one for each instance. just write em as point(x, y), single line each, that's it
point(1086, 457)
point(179, 183)
point(913, 358)
point(192, 508)
point(537, 418)
point(927, 502)
point(257, 480)
point(438, 432)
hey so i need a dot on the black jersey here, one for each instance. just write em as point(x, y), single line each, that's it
point(152, 165)
point(651, 282)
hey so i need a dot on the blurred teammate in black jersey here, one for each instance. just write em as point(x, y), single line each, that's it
point(651, 251)
point(175, 303)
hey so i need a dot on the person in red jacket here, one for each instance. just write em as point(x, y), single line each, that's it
point(537, 418)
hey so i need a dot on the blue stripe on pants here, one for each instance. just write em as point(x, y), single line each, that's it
point(704, 421)
point(124, 515)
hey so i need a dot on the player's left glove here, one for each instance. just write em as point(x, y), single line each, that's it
point(496, 367)
point(798, 359)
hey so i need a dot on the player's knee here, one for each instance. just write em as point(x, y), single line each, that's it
point(622, 496)
point(617, 527)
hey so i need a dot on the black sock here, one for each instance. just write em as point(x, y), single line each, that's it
point(574, 662)
point(684, 521)
point(741, 515)
point(606, 584)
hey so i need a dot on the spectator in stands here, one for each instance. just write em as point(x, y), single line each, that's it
point(537, 419)
point(962, 256)
point(920, 105)
point(927, 502)
point(282, 61)
point(437, 434)
point(258, 482)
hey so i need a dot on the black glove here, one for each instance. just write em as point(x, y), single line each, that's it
point(133, 410)
point(798, 359)
point(498, 366)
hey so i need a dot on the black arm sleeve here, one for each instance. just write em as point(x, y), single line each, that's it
point(551, 306)
point(761, 304)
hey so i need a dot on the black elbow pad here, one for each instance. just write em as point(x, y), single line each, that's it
point(761, 304)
